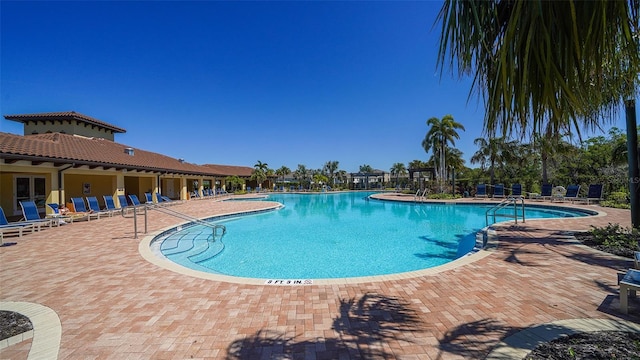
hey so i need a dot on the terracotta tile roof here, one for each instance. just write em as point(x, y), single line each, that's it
point(230, 170)
point(64, 148)
point(65, 115)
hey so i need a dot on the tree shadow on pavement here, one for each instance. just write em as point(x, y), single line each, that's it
point(364, 327)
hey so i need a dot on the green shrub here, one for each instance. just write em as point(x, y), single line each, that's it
point(613, 204)
point(614, 235)
point(618, 199)
point(618, 196)
point(444, 196)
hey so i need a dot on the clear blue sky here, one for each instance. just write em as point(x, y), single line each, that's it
point(285, 83)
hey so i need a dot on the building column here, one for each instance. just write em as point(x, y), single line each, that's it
point(120, 190)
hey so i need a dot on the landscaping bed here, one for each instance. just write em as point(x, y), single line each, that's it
point(602, 344)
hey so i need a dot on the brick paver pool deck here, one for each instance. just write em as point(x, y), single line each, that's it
point(114, 304)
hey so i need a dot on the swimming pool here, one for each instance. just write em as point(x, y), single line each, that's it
point(335, 235)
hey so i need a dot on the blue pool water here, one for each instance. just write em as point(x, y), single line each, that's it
point(336, 235)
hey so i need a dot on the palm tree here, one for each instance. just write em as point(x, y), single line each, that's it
point(259, 173)
point(301, 174)
point(556, 64)
point(418, 164)
point(366, 169)
point(319, 179)
point(396, 170)
point(491, 153)
point(283, 171)
point(440, 134)
point(453, 157)
point(342, 176)
point(270, 174)
point(330, 168)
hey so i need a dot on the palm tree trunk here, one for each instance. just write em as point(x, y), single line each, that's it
point(544, 168)
point(632, 157)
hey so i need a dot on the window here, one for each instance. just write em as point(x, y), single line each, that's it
point(28, 187)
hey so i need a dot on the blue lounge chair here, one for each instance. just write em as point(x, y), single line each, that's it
point(109, 204)
point(545, 192)
point(516, 190)
point(30, 214)
point(134, 200)
point(122, 199)
point(594, 194)
point(94, 206)
point(15, 228)
point(164, 200)
point(80, 207)
point(498, 191)
point(148, 198)
point(572, 193)
point(481, 190)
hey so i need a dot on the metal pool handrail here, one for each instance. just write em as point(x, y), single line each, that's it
point(215, 228)
point(503, 204)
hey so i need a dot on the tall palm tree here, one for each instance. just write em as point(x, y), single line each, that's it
point(556, 64)
point(259, 173)
point(342, 176)
point(398, 169)
point(549, 146)
point(330, 168)
point(441, 133)
point(492, 153)
point(270, 174)
point(283, 171)
point(416, 164)
point(301, 174)
point(366, 169)
point(453, 158)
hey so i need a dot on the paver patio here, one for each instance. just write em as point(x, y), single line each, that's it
point(113, 304)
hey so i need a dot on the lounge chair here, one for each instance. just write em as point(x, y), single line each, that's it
point(94, 206)
point(30, 214)
point(498, 191)
point(165, 200)
point(572, 193)
point(134, 200)
point(122, 199)
point(516, 190)
point(109, 204)
point(594, 194)
point(148, 198)
point(545, 192)
point(481, 190)
point(67, 217)
point(15, 228)
point(80, 207)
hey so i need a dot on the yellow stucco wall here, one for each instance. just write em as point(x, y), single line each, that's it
point(67, 127)
point(83, 185)
point(8, 172)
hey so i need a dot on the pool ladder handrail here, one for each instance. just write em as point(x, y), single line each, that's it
point(215, 228)
point(419, 196)
point(512, 200)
